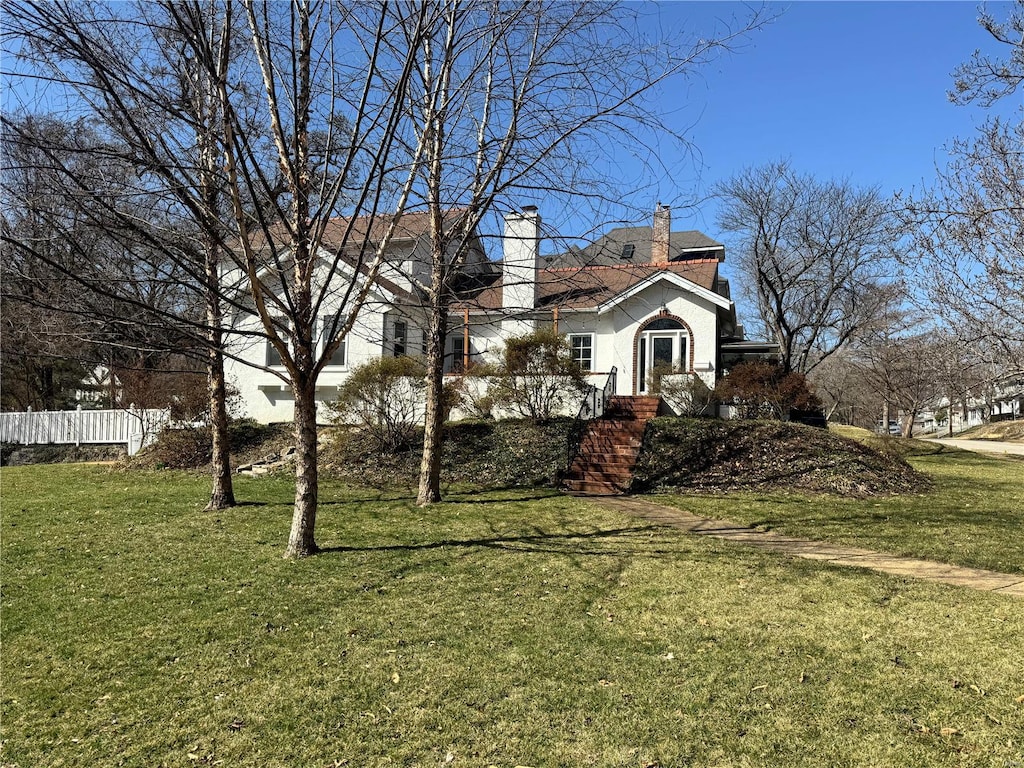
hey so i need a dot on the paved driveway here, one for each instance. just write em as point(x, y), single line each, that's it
point(982, 446)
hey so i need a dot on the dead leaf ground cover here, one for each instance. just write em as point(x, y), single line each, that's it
point(499, 628)
point(713, 455)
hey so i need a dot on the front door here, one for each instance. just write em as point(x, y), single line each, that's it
point(661, 348)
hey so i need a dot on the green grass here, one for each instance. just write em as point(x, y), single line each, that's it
point(973, 516)
point(506, 628)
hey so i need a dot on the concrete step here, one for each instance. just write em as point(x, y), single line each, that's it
point(625, 457)
point(615, 435)
point(607, 459)
point(622, 478)
point(609, 446)
point(588, 488)
point(633, 407)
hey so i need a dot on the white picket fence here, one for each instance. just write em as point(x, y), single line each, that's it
point(133, 427)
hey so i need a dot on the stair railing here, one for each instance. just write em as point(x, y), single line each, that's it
point(592, 407)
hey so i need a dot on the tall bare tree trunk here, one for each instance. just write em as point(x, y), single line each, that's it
point(433, 423)
point(301, 542)
point(222, 492)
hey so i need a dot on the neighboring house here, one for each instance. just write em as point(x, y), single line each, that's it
point(637, 298)
point(1000, 400)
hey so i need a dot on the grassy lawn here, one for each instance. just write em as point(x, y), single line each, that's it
point(973, 516)
point(517, 628)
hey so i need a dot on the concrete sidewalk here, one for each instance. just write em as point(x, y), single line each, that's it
point(834, 554)
point(980, 446)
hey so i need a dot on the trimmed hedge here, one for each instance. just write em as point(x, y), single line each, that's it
point(712, 455)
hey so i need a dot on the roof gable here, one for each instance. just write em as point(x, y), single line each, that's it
point(665, 276)
point(588, 288)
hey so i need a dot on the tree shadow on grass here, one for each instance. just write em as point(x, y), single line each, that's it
point(497, 496)
point(570, 542)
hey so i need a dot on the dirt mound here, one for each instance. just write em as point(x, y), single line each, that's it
point(485, 454)
point(711, 455)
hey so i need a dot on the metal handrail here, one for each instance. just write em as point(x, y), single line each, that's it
point(594, 403)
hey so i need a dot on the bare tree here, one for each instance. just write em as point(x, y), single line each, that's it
point(286, 113)
point(333, 97)
point(846, 397)
point(63, 266)
point(817, 257)
point(985, 79)
point(512, 101)
point(904, 371)
point(968, 245)
point(126, 71)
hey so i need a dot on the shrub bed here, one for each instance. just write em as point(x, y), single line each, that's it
point(488, 454)
point(191, 447)
point(712, 455)
point(12, 455)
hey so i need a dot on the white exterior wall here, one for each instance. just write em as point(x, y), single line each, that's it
point(615, 333)
point(267, 398)
point(520, 247)
point(487, 341)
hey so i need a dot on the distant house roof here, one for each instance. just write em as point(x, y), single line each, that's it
point(632, 245)
point(338, 231)
point(359, 240)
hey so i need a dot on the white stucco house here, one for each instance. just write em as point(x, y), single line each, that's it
point(636, 298)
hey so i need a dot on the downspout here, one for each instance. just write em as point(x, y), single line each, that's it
point(465, 340)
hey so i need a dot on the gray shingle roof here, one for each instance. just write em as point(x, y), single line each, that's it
point(613, 249)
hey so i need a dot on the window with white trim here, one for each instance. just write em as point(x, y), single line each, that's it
point(398, 340)
point(581, 347)
point(340, 356)
point(458, 346)
point(272, 356)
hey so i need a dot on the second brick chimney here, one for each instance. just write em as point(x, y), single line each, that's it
point(660, 234)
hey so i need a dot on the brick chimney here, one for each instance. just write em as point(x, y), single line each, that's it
point(660, 234)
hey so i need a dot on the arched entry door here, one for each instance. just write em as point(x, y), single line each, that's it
point(665, 343)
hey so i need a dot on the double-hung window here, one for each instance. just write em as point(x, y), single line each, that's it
point(458, 344)
point(273, 357)
point(339, 358)
point(398, 343)
point(581, 347)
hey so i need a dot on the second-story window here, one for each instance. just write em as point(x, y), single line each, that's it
point(273, 357)
point(338, 358)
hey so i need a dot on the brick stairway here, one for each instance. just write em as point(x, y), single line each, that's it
point(609, 447)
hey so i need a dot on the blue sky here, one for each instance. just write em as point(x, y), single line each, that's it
point(851, 90)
